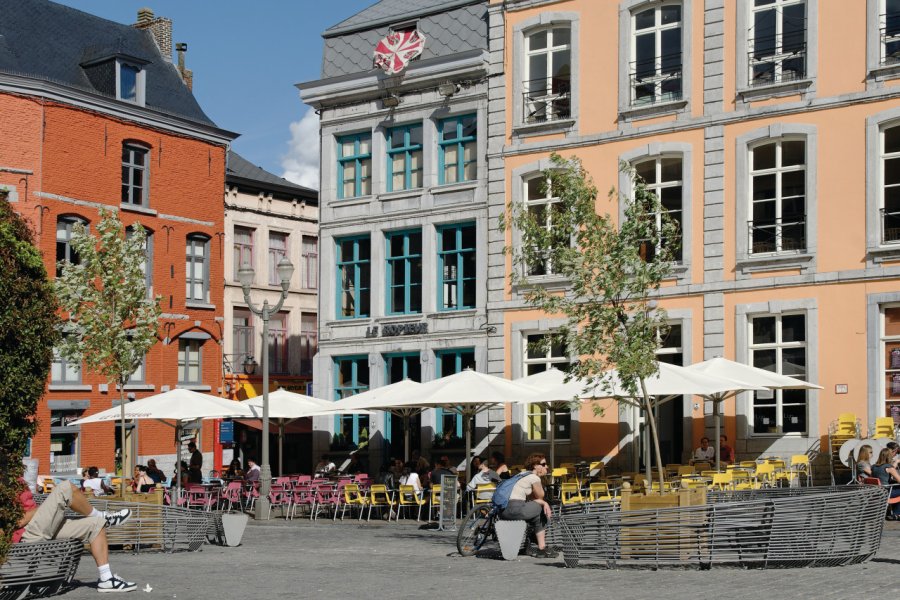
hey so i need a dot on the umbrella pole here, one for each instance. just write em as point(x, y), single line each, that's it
point(552, 436)
point(405, 437)
point(718, 430)
point(177, 463)
point(280, 447)
point(468, 425)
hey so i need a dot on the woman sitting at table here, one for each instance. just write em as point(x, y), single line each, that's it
point(864, 462)
point(141, 482)
point(234, 469)
point(410, 477)
point(886, 472)
point(498, 465)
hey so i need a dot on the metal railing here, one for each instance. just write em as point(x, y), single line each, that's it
point(777, 59)
point(890, 39)
point(890, 226)
point(656, 81)
point(547, 100)
point(802, 527)
point(777, 235)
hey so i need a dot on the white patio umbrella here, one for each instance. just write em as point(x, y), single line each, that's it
point(466, 393)
point(177, 405)
point(557, 394)
point(384, 398)
point(748, 378)
point(286, 407)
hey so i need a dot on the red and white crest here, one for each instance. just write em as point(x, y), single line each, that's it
point(394, 52)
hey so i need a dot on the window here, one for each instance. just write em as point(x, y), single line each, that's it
point(243, 249)
point(404, 272)
point(778, 196)
point(542, 203)
point(354, 277)
point(189, 362)
point(890, 338)
point(64, 440)
point(890, 184)
point(450, 362)
point(310, 257)
point(889, 32)
point(135, 175)
point(355, 165)
point(351, 376)
point(539, 358)
point(778, 344)
point(147, 264)
point(65, 229)
point(548, 75)
point(404, 151)
point(671, 350)
point(656, 67)
point(309, 342)
point(242, 337)
point(63, 371)
point(456, 264)
point(458, 152)
point(139, 375)
point(663, 177)
point(130, 83)
point(777, 41)
point(278, 343)
point(278, 249)
point(403, 365)
point(197, 268)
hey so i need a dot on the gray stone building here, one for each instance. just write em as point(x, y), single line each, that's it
point(403, 217)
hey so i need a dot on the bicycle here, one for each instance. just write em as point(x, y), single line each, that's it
point(477, 529)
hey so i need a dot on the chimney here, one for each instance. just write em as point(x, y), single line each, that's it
point(159, 27)
point(187, 76)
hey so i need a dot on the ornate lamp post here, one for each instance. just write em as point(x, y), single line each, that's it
point(245, 276)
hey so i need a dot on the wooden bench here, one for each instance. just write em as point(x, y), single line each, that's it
point(39, 569)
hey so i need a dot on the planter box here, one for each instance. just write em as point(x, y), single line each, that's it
point(234, 524)
point(671, 499)
point(642, 535)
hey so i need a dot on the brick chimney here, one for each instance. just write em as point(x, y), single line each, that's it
point(187, 76)
point(159, 27)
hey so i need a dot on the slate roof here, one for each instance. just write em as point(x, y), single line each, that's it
point(349, 45)
point(49, 41)
point(239, 170)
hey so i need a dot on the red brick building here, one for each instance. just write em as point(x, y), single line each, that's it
point(94, 114)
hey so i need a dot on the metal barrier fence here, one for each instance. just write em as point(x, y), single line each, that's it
point(776, 528)
point(39, 569)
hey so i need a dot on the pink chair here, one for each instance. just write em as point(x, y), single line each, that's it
point(250, 493)
point(304, 495)
point(232, 495)
point(284, 480)
point(280, 496)
point(328, 496)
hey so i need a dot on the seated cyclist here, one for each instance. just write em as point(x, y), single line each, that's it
point(526, 503)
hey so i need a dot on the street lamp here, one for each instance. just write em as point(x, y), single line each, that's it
point(245, 276)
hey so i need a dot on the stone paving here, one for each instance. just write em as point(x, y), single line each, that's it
point(299, 559)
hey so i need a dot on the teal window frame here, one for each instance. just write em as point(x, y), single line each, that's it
point(459, 140)
point(455, 257)
point(358, 265)
point(407, 149)
point(456, 355)
point(355, 388)
point(357, 158)
point(410, 262)
point(405, 356)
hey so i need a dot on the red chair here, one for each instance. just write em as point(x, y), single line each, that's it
point(328, 496)
point(232, 495)
point(303, 495)
point(280, 496)
point(250, 493)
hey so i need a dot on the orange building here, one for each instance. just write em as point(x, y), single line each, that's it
point(95, 115)
point(771, 132)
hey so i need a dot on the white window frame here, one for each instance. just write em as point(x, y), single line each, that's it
point(657, 31)
point(547, 202)
point(135, 148)
point(538, 410)
point(549, 50)
point(883, 368)
point(778, 171)
point(239, 249)
point(878, 69)
point(65, 368)
point(656, 189)
point(274, 255)
point(190, 351)
point(877, 250)
point(310, 259)
point(140, 82)
point(192, 240)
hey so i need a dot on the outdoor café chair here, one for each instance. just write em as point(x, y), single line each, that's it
point(741, 479)
point(765, 475)
point(231, 495)
point(303, 495)
point(722, 481)
point(250, 493)
point(380, 498)
point(800, 468)
point(569, 493)
point(685, 470)
point(280, 497)
point(699, 467)
point(410, 498)
point(327, 496)
point(599, 492)
point(353, 498)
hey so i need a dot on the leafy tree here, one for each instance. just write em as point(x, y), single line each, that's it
point(27, 335)
point(112, 322)
point(613, 268)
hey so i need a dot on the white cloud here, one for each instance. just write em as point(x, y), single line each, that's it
point(301, 163)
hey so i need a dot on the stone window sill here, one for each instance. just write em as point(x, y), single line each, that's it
point(774, 262)
point(543, 128)
point(193, 387)
point(880, 254)
point(884, 72)
point(401, 194)
point(200, 305)
point(774, 90)
point(634, 113)
point(449, 188)
point(138, 209)
point(355, 201)
point(65, 387)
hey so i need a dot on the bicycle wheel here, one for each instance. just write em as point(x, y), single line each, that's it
point(474, 530)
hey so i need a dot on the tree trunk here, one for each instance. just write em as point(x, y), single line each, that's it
point(654, 436)
point(122, 437)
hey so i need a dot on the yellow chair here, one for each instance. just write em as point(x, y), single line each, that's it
point(48, 485)
point(722, 481)
point(597, 469)
point(559, 472)
point(598, 492)
point(690, 483)
point(846, 423)
point(380, 498)
point(672, 469)
point(569, 493)
point(709, 473)
point(741, 480)
point(353, 498)
point(409, 498)
point(765, 475)
point(666, 486)
point(748, 464)
point(435, 503)
point(483, 493)
point(884, 428)
point(568, 466)
point(699, 467)
point(685, 470)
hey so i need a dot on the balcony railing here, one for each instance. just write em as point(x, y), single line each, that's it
point(890, 39)
point(656, 81)
point(777, 59)
point(777, 235)
point(547, 100)
point(890, 227)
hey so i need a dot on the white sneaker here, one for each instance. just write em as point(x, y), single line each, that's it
point(117, 517)
point(114, 584)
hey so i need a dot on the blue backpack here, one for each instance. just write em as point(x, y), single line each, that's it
point(500, 499)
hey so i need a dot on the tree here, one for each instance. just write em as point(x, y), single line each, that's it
point(613, 270)
point(112, 322)
point(28, 332)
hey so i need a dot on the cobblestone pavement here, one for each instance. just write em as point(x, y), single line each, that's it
point(299, 559)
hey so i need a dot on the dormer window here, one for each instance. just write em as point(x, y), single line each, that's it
point(129, 82)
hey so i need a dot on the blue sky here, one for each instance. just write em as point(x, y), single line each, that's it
point(246, 57)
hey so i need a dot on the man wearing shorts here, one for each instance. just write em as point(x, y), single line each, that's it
point(49, 522)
